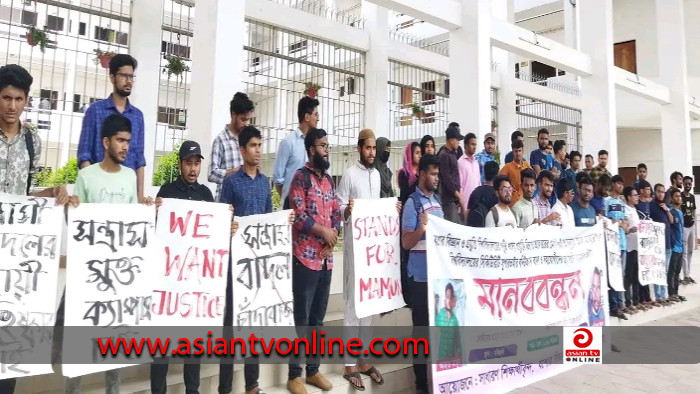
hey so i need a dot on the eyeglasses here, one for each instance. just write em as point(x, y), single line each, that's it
point(506, 189)
point(126, 76)
point(325, 147)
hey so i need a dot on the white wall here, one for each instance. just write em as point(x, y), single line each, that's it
point(635, 20)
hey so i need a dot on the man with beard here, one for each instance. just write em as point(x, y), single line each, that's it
point(674, 268)
point(573, 169)
point(449, 175)
point(361, 181)
point(601, 168)
point(689, 233)
point(514, 169)
point(589, 164)
point(676, 182)
point(486, 155)
point(419, 205)
point(385, 174)
point(501, 215)
point(524, 209)
point(545, 182)
point(603, 189)
point(539, 160)
point(469, 172)
point(107, 182)
point(596, 315)
point(315, 232)
point(90, 147)
point(225, 150)
point(584, 213)
point(565, 195)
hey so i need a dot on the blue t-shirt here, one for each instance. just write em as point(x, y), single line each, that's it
point(583, 217)
point(598, 204)
point(677, 231)
point(615, 209)
point(417, 260)
point(643, 209)
point(539, 158)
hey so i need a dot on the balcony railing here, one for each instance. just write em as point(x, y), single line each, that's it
point(564, 86)
point(440, 47)
point(346, 16)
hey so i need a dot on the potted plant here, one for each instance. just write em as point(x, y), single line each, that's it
point(103, 57)
point(37, 37)
point(30, 126)
point(176, 66)
point(312, 89)
point(417, 110)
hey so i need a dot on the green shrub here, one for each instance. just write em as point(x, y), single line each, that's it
point(167, 168)
point(276, 199)
point(62, 176)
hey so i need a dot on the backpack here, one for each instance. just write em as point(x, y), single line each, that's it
point(29, 141)
point(307, 183)
point(477, 216)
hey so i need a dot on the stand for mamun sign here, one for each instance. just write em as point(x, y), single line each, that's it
point(544, 276)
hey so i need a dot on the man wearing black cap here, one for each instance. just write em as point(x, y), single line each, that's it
point(449, 176)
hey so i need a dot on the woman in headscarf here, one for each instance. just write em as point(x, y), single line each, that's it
point(408, 174)
point(427, 145)
point(385, 174)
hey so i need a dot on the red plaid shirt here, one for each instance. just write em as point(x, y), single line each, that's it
point(319, 205)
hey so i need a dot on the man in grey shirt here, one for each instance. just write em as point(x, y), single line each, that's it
point(524, 210)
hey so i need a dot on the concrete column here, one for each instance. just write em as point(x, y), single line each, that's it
point(144, 45)
point(599, 114)
point(673, 73)
point(470, 69)
point(217, 53)
point(377, 69)
point(507, 118)
point(571, 24)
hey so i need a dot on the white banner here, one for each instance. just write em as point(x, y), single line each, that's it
point(377, 256)
point(612, 240)
point(190, 286)
point(652, 253)
point(31, 231)
point(109, 272)
point(262, 271)
point(544, 276)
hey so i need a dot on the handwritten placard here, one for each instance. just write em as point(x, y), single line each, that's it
point(262, 271)
point(612, 245)
point(377, 256)
point(651, 249)
point(109, 272)
point(194, 240)
point(30, 235)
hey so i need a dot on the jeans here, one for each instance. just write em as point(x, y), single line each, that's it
point(674, 272)
point(689, 239)
point(419, 313)
point(159, 371)
point(660, 292)
point(8, 385)
point(617, 297)
point(632, 286)
point(251, 370)
point(311, 290)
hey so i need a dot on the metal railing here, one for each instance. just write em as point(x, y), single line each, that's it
point(563, 123)
point(441, 47)
point(348, 16)
point(555, 83)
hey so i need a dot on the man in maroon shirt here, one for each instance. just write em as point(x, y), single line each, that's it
point(449, 176)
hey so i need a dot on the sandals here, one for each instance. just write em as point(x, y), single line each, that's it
point(357, 376)
point(371, 371)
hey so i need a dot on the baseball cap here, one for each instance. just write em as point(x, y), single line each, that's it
point(489, 135)
point(453, 132)
point(190, 148)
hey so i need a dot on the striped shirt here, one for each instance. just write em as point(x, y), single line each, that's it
point(225, 155)
point(544, 209)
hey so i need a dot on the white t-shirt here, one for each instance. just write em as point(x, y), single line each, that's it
point(566, 214)
point(633, 221)
point(505, 218)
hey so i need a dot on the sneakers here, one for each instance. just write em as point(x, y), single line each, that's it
point(296, 386)
point(691, 280)
point(319, 381)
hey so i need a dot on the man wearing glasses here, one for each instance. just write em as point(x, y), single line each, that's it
point(90, 149)
point(291, 154)
point(565, 196)
point(501, 215)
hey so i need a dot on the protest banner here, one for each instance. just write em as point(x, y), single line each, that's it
point(262, 271)
point(109, 273)
point(31, 231)
point(377, 256)
point(651, 247)
point(544, 276)
point(614, 255)
point(190, 286)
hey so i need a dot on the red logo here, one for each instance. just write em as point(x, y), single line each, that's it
point(584, 338)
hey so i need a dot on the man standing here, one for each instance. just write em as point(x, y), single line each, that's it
point(483, 198)
point(615, 210)
point(558, 165)
point(517, 135)
point(20, 150)
point(413, 224)
point(449, 176)
point(573, 169)
point(361, 181)
point(469, 171)
point(689, 234)
point(565, 195)
point(584, 213)
point(601, 168)
point(545, 181)
point(603, 189)
point(524, 209)
point(676, 182)
point(539, 160)
point(662, 214)
point(674, 269)
point(513, 170)
point(589, 164)
point(631, 279)
point(90, 147)
point(641, 174)
point(486, 155)
point(380, 163)
point(225, 150)
point(292, 153)
point(315, 232)
point(501, 215)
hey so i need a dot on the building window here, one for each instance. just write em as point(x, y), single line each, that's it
point(172, 116)
point(48, 99)
point(254, 62)
point(54, 23)
point(77, 103)
point(626, 56)
point(428, 118)
point(178, 50)
point(406, 96)
point(109, 35)
point(428, 98)
point(29, 18)
point(296, 47)
point(82, 29)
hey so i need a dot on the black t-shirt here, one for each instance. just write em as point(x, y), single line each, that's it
point(688, 208)
point(181, 190)
point(484, 194)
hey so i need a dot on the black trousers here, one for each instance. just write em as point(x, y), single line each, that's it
point(674, 272)
point(7, 386)
point(159, 371)
point(632, 286)
point(419, 313)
